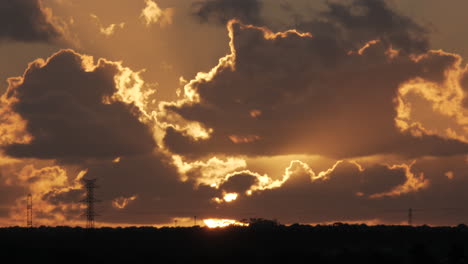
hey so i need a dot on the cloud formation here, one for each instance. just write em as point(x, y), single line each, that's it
point(55, 196)
point(109, 30)
point(153, 14)
point(347, 192)
point(358, 21)
point(66, 103)
point(27, 21)
point(443, 101)
point(221, 11)
point(295, 93)
point(87, 118)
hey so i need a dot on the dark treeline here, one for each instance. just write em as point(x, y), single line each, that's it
point(262, 242)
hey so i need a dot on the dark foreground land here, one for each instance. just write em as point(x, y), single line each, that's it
point(264, 243)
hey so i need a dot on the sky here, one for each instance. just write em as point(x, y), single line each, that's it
point(296, 110)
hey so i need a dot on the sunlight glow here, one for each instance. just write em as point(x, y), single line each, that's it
point(214, 223)
point(243, 139)
point(229, 197)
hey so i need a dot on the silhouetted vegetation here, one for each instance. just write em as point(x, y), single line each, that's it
point(263, 241)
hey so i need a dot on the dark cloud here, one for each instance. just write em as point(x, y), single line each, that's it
point(26, 20)
point(221, 11)
point(63, 105)
point(364, 20)
point(74, 120)
point(151, 178)
point(292, 93)
point(380, 179)
point(238, 183)
point(345, 195)
point(58, 197)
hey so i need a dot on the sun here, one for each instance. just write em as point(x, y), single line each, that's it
point(215, 223)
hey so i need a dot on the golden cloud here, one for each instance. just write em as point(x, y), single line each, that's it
point(153, 14)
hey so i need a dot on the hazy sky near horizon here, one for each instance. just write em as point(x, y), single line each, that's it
point(298, 110)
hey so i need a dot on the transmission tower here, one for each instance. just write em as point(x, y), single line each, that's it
point(90, 201)
point(29, 222)
point(410, 217)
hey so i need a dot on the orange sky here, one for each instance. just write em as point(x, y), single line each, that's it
point(294, 110)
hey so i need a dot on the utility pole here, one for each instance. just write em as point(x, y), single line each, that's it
point(90, 202)
point(410, 217)
point(29, 220)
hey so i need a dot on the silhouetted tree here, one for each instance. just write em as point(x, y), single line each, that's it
point(263, 223)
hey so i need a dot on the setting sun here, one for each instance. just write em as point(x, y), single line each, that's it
point(214, 223)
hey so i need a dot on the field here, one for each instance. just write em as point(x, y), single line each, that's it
point(258, 243)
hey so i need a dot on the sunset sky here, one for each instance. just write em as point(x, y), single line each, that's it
point(305, 111)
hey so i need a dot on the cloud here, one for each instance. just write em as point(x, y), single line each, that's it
point(442, 100)
point(239, 183)
point(289, 80)
point(109, 30)
point(13, 129)
point(221, 11)
point(153, 14)
point(245, 183)
point(89, 119)
point(161, 195)
point(344, 193)
point(66, 102)
point(212, 172)
point(412, 183)
point(122, 202)
point(27, 21)
point(358, 21)
point(143, 189)
point(464, 85)
point(8, 194)
point(347, 193)
point(55, 196)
